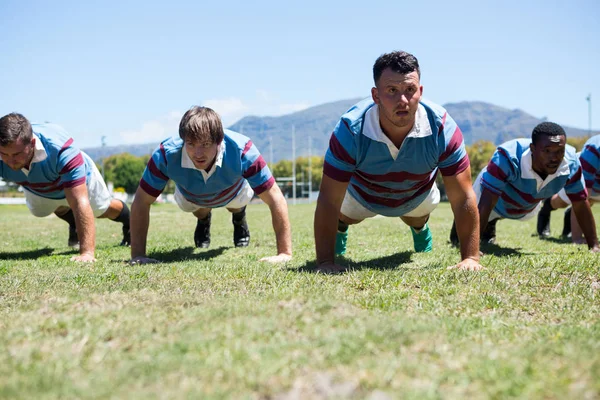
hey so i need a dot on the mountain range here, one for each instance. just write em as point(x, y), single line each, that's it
point(273, 135)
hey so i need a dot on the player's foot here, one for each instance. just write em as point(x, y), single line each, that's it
point(566, 233)
point(543, 221)
point(126, 236)
point(340, 243)
point(454, 235)
point(73, 238)
point(489, 235)
point(202, 233)
point(423, 240)
point(241, 232)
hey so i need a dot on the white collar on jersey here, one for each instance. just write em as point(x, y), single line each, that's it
point(527, 171)
point(186, 161)
point(372, 128)
point(39, 154)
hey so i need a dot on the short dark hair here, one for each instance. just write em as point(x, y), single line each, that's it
point(201, 124)
point(14, 127)
point(399, 61)
point(547, 129)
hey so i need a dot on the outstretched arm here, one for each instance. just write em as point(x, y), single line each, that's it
point(281, 223)
point(330, 200)
point(140, 220)
point(464, 206)
point(584, 216)
point(78, 200)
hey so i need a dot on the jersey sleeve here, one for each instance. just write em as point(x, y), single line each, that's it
point(575, 186)
point(453, 158)
point(71, 165)
point(255, 170)
point(590, 164)
point(340, 159)
point(499, 171)
point(155, 175)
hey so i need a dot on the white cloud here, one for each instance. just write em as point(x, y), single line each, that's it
point(230, 109)
point(290, 108)
point(155, 130)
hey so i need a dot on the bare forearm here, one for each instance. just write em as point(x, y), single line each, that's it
point(467, 228)
point(281, 226)
point(140, 220)
point(84, 222)
point(326, 219)
point(587, 223)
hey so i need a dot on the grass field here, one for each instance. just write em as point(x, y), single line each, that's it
point(217, 324)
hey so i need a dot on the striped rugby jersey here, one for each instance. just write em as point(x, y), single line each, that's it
point(590, 163)
point(510, 175)
point(387, 180)
point(56, 164)
point(237, 160)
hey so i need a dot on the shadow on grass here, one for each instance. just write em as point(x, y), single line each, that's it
point(392, 261)
point(187, 253)
point(560, 240)
point(27, 255)
point(499, 251)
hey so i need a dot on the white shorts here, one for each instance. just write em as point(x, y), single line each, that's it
point(354, 210)
point(563, 196)
point(242, 199)
point(494, 215)
point(98, 194)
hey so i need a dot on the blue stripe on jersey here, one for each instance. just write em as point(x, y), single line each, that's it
point(520, 189)
point(241, 161)
point(63, 167)
point(382, 184)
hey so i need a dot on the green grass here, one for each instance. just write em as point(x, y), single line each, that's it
point(217, 324)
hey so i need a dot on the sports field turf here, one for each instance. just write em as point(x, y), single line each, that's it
point(217, 323)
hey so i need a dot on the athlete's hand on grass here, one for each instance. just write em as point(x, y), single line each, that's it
point(279, 258)
point(595, 249)
point(85, 257)
point(468, 264)
point(330, 268)
point(143, 260)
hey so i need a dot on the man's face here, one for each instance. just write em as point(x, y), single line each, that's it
point(18, 155)
point(548, 153)
point(202, 154)
point(397, 96)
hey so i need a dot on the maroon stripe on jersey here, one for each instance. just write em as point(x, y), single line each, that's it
point(149, 189)
point(391, 202)
point(339, 151)
point(336, 174)
point(73, 163)
point(496, 172)
point(73, 183)
point(65, 146)
point(255, 168)
point(575, 177)
point(39, 185)
point(453, 145)
point(264, 186)
point(593, 150)
point(587, 167)
point(155, 171)
point(457, 168)
point(399, 176)
point(382, 189)
point(579, 196)
point(247, 148)
point(526, 196)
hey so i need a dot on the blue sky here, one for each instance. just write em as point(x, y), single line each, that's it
point(127, 70)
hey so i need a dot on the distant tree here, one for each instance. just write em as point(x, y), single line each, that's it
point(480, 154)
point(577, 141)
point(124, 170)
point(283, 169)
